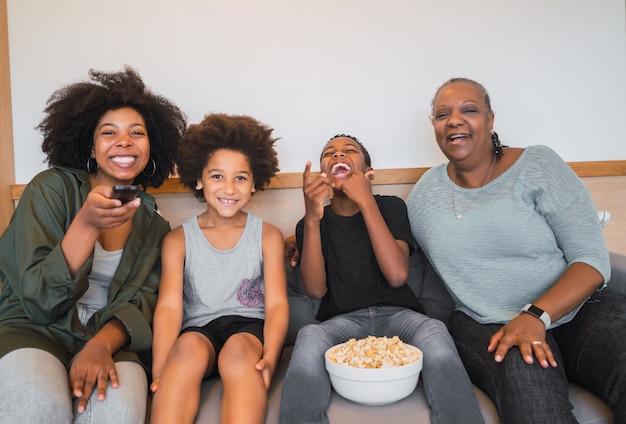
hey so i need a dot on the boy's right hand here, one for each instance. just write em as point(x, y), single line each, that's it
point(315, 193)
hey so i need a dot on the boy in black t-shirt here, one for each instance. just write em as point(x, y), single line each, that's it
point(355, 258)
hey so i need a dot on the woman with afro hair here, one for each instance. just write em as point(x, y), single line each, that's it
point(79, 268)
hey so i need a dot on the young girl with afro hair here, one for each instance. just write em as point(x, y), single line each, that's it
point(222, 306)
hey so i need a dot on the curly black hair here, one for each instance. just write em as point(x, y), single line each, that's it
point(232, 132)
point(73, 111)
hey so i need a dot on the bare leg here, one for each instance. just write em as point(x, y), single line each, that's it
point(178, 395)
point(243, 384)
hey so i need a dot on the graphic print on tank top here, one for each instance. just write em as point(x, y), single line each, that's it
point(250, 293)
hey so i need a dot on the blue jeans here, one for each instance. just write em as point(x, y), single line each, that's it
point(307, 389)
point(590, 351)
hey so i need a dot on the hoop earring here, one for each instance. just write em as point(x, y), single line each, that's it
point(89, 171)
point(154, 167)
point(497, 145)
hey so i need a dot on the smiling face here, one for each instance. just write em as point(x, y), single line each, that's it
point(340, 156)
point(121, 147)
point(462, 121)
point(227, 182)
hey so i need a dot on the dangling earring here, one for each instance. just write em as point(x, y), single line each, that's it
point(497, 145)
point(89, 161)
point(153, 169)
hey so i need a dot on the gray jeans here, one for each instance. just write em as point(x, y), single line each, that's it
point(34, 388)
point(307, 389)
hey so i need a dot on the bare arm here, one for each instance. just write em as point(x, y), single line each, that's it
point(168, 315)
point(276, 305)
point(392, 255)
point(312, 267)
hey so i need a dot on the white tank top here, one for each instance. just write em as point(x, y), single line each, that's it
point(105, 264)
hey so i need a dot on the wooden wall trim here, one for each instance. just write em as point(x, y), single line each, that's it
point(7, 170)
point(608, 168)
point(382, 176)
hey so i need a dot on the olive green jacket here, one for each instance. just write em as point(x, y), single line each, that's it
point(39, 294)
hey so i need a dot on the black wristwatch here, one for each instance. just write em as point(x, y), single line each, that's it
point(538, 313)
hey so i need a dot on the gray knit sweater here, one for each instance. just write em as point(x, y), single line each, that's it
point(514, 238)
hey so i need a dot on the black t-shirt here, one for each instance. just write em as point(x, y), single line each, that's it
point(353, 277)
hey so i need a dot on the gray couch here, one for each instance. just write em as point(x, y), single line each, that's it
point(588, 408)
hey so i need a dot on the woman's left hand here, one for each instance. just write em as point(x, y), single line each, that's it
point(92, 367)
point(528, 334)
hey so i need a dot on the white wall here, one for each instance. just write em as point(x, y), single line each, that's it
point(556, 70)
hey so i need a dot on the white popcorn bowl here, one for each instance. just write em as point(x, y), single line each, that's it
point(374, 386)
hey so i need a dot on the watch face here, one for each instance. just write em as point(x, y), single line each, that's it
point(535, 310)
point(538, 313)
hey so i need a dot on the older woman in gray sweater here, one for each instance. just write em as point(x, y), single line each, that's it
point(515, 237)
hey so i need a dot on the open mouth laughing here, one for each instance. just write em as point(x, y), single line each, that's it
point(340, 170)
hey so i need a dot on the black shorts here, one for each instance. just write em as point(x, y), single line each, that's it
point(220, 329)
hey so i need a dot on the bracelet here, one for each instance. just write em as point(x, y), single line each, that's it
point(538, 313)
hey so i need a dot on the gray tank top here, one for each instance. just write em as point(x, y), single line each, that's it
point(223, 282)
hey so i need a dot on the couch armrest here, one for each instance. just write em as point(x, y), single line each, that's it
point(618, 272)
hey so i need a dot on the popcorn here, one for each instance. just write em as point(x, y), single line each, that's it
point(374, 352)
